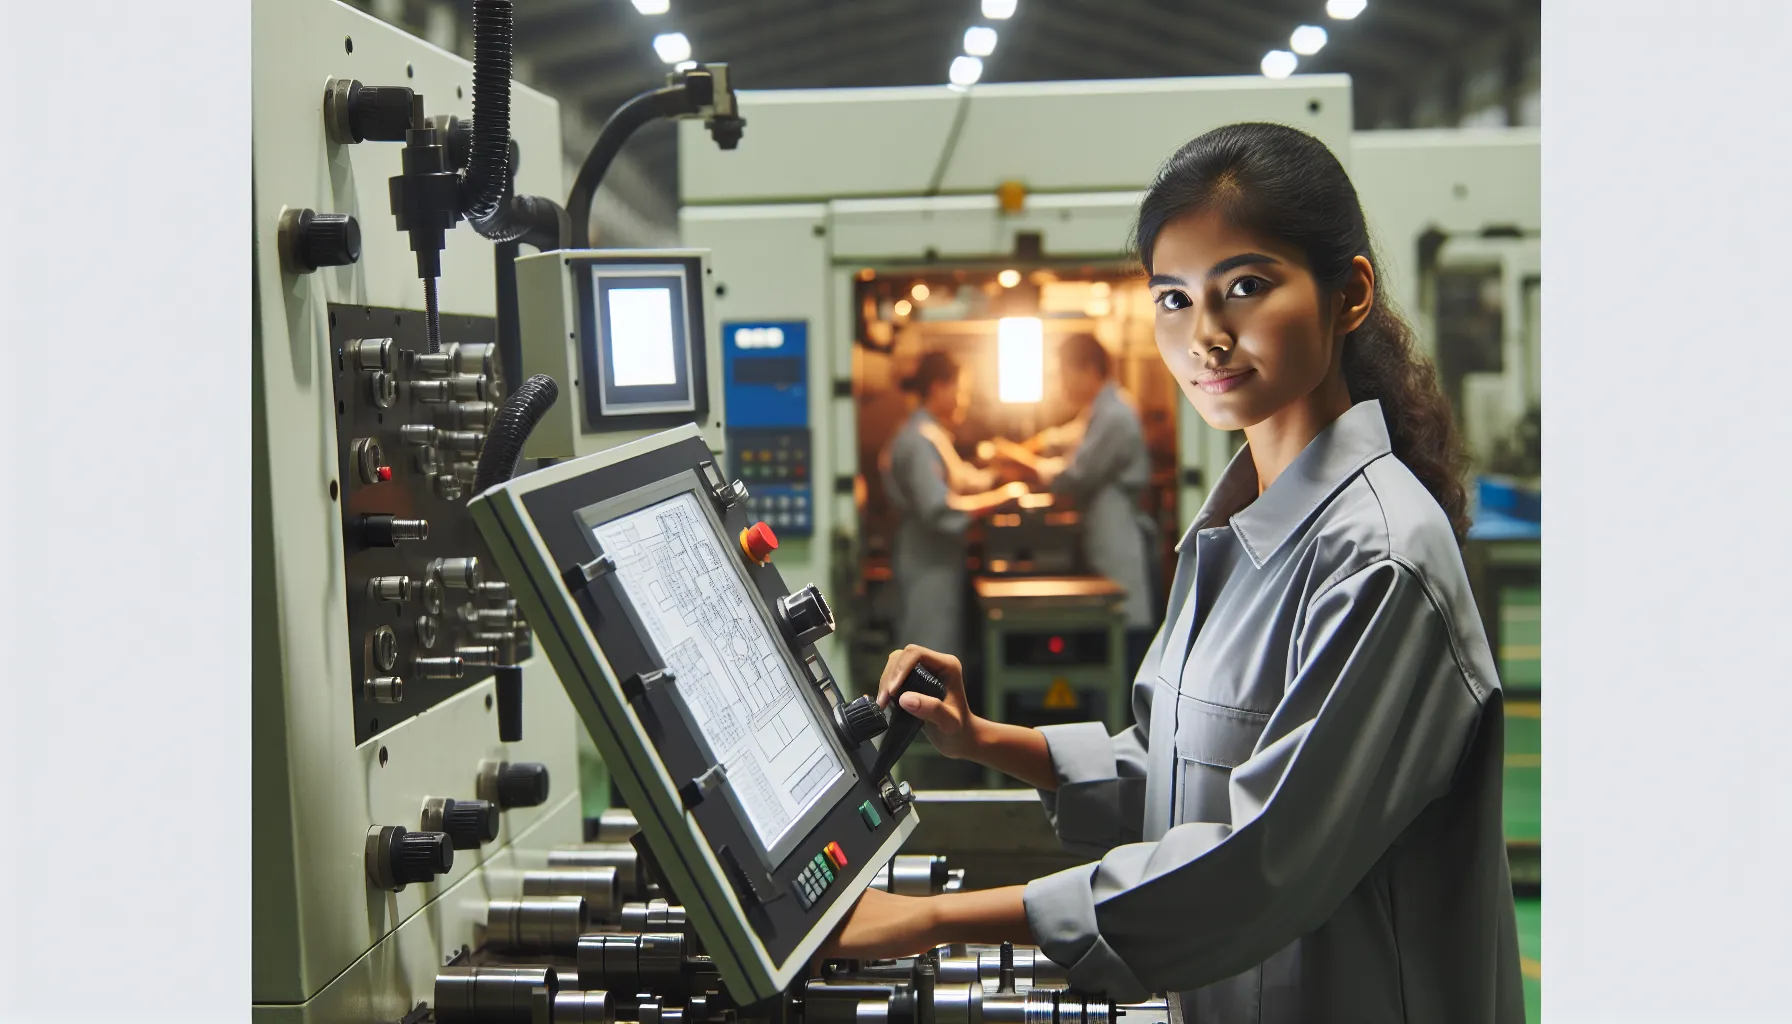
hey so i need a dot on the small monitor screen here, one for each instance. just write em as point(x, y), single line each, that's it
point(745, 698)
point(642, 345)
point(642, 338)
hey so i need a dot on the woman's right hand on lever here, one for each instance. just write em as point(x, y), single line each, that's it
point(950, 726)
point(948, 723)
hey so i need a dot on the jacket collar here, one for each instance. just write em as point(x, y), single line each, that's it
point(1263, 523)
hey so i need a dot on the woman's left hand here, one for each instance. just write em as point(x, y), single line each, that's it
point(883, 927)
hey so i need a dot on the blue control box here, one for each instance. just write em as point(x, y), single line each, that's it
point(766, 371)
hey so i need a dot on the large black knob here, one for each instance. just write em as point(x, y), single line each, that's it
point(470, 824)
point(862, 721)
point(513, 785)
point(806, 615)
point(366, 113)
point(397, 857)
point(421, 856)
point(309, 240)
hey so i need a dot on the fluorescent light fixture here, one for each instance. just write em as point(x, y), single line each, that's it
point(903, 308)
point(980, 41)
point(653, 6)
point(1279, 64)
point(1344, 10)
point(1008, 278)
point(1020, 359)
point(921, 291)
point(1307, 40)
point(684, 65)
point(965, 71)
point(998, 10)
point(672, 47)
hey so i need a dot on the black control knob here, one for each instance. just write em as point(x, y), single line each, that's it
point(470, 824)
point(806, 615)
point(862, 721)
point(421, 856)
point(309, 240)
point(330, 240)
point(397, 857)
point(366, 113)
point(524, 784)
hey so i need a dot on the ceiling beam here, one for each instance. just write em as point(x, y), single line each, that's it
point(1129, 54)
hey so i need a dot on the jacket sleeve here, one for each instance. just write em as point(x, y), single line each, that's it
point(918, 469)
point(1109, 445)
point(1100, 801)
point(1372, 726)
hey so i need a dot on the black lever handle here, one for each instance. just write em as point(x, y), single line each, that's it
point(904, 727)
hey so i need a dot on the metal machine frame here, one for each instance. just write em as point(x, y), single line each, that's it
point(327, 945)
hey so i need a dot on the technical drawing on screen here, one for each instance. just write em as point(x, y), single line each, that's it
point(760, 791)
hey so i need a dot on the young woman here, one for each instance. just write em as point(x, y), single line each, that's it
point(1304, 823)
point(937, 494)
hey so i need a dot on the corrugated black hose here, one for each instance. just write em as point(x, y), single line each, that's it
point(488, 162)
point(504, 442)
point(497, 463)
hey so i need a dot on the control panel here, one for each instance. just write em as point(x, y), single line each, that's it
point(428, 614)
point(766, 367)
point(628, 333)
point(766, 804)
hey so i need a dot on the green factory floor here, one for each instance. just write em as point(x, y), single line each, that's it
point(1524, 833)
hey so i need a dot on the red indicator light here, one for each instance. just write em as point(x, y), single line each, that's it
point(1055, 645)
point(385, 474)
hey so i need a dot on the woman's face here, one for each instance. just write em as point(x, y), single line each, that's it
point(1240, 320)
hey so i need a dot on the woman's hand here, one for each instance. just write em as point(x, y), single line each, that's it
point(949, 724)
point(883, 927)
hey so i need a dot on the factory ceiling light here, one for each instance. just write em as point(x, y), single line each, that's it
point(1008, 278)
point(672, 47)
point(965, 71)
point(1344, 10)
point(1307, 40)
point(980, 41)
point(1279, 64)
point(653, 6)
point(997, 10)
point(921, 291)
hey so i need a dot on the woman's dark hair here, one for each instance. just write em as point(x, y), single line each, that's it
point(934, 368)
point(1082, 350)
point(1286, 184)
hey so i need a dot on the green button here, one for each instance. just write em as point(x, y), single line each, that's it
point(829, 872)
point(869, 813)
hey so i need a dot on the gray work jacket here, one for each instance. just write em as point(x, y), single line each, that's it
point(927, 559)
point(1106, 470)
point(1304, 823)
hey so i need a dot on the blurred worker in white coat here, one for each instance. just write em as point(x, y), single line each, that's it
point(937, 494)
point(1098, 460)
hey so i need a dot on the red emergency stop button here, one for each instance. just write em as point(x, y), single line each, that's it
point(835, 854)
point(384, 473)
point(758, 541)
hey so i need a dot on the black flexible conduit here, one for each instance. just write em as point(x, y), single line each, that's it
point(638, 111)
point(510, 429)
point(487, 164)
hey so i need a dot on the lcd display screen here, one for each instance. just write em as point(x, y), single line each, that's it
point(743, 696)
